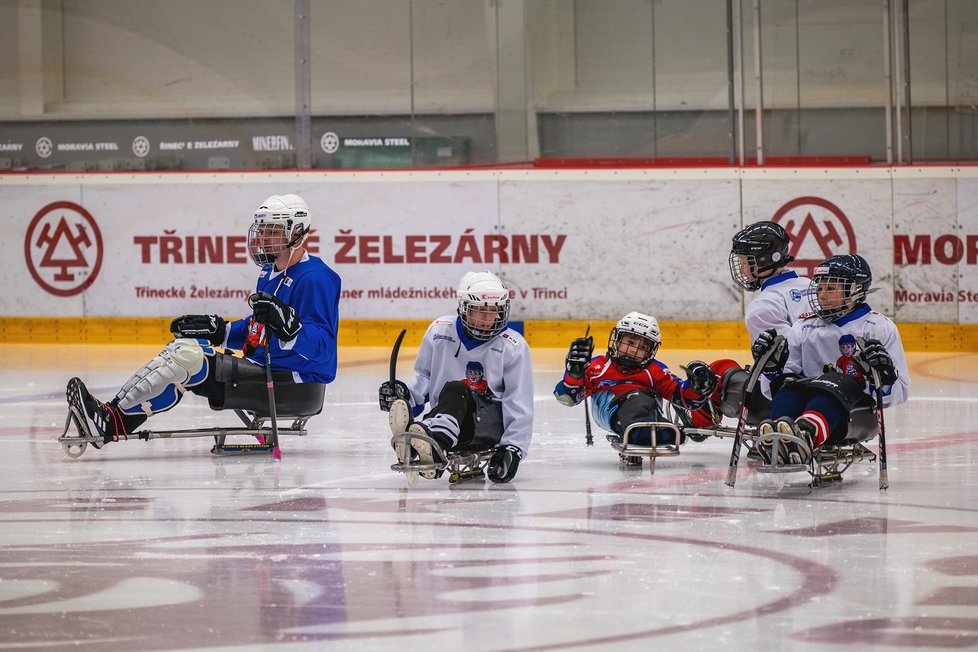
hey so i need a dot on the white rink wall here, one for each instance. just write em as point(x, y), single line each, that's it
point(571, 244)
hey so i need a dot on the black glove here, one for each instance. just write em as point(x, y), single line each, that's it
point(391, 392)
point(763, 344)
point(877, 358)
point(579, 357)
point(279, 316)
point(702, 379)
point(200, 327)
point(504, 462)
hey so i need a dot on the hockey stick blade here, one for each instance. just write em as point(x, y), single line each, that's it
point(394, 352)
point(755, 375)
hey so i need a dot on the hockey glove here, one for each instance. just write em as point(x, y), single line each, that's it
point(877, 358)
point(390, 392)
point(277, 315)
point(701, 378)
point(503, 463)
point(579, 357)
point(200, 327)
point(763, 344)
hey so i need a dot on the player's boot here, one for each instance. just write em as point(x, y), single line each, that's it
point(428, 454)
point(97, 420)
point(796, 443)
point(764, 442)
point(805, 430)
point(399, 416)
point(420, 451)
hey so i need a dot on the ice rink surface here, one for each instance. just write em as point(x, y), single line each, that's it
point(160, 545)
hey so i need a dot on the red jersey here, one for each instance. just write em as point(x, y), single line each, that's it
point(605, 375)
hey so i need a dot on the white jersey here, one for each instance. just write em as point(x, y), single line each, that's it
point(813, 344)
point(782, 300)
point(443, 357)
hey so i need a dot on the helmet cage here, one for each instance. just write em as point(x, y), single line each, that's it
point(474, 325)
point(757, 252)
point(267, 241)
point(647, 348)
point(635, 325)
point(848, 294)
point(744, 271)
point(482, 295)
point(281, 223)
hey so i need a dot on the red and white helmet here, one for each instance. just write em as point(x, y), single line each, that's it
point(281, 223)
point(478, 290)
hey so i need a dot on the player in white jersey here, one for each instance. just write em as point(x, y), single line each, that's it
point(475, 373)
point(758, 258)
point(820, 376)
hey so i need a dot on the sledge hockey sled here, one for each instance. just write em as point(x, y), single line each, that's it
point(298, 405)
point(830, 461)
point(630, 454)
point(467, 463)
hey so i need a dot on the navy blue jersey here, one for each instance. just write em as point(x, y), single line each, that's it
point(313, 291)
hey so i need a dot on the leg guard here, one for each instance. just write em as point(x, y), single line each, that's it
point(160, 384)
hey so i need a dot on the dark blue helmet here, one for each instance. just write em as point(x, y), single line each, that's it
point(758, 249)
point(839, 286)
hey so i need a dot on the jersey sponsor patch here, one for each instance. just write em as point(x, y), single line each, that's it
point(443, 337)
point(509, 338)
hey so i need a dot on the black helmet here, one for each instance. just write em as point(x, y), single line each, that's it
point(852, 274)
point(759, 248)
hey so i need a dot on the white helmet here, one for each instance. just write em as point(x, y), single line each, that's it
point(281, 222)
point(639, 325)
point(478, 290)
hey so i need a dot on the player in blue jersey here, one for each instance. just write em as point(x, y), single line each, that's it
point(294, 312)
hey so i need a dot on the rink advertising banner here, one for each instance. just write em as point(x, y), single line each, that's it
point(576, 245)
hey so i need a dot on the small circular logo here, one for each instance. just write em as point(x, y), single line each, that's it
point(140, 146)
point(44, 147)
point(818, 229)
point(330, 142)
point(63, 249)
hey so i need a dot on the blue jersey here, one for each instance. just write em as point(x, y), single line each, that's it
point(312, 289)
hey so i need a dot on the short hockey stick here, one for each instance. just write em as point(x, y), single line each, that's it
point(755, 375)
point(588, 438)
point(884, 476)
point(272, 409)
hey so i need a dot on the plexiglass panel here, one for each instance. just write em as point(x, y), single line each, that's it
point(265, 84)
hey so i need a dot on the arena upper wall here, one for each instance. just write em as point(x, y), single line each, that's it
point(115, 255)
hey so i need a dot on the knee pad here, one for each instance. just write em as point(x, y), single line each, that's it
point(160, 384)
